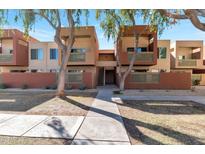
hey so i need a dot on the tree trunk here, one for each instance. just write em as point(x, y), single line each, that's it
point(122, 84)
point(126, 73)
point(61, 75)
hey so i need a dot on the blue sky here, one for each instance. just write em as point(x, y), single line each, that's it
point(43, 31)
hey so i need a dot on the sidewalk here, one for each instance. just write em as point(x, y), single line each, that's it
point(103, 123)
point(40, 125)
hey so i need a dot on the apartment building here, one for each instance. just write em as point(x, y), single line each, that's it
point(187, 55)
point(81, 67)
point(14, 49)
point(43, 57)
point(90, 67)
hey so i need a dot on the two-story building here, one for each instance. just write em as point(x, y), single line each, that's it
point(43, 57)
point(14, 51)
point(187, 55)
point(88, 66)
point(81, 68)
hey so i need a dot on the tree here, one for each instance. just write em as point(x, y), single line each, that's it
point(194, 15)
point(113, 22)
point(55, 19)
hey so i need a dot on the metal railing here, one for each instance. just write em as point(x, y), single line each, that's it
point(75, 57)
point(145, 77)
point(143, 56)
point(6, 57)
point(74, 77)
point(187, 62)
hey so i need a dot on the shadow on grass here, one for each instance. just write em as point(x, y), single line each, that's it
point(24, 101)
point(132, 127)
point(165, 107)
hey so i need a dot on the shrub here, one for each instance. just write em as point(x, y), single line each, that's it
point(47, 87)
point(82, 87)
point(3, 86)
point(53, 86)
point(68, 87)
point(117, 92)
point(24, 86)
point(195, 82)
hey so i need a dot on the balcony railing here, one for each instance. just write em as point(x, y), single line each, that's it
point(187, 62)
point(143, 56)
point(6, 57)
point(77, 57)
point(145, 77)
point(76, 77)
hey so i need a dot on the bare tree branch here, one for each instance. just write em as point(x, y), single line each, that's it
point(172, 15)
point(195, 19)
point(46, 18)
point(58, 18)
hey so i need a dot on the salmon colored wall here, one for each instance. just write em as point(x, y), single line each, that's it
point(33, 80)
point(168, 80)
point(20, 52)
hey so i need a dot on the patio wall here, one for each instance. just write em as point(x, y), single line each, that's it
point(33, 80)
point(168, 80)
point(40, 80)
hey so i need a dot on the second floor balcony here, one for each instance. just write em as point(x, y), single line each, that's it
point(143, 56)
point(187, 62)
point(77, 57)
point(4, 58)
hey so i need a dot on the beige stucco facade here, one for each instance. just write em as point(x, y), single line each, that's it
point(46, 64)
point(187, 54)
point(163, 64)
point(85, 38)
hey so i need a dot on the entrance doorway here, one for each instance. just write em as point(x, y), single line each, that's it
point(106, 76)
point(109, 77)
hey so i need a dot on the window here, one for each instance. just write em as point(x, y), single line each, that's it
point(139, 49)
point(37, 54)
point(181, 57)
point(53, 53)
point(78, 50)
point(75, 71)
point(11, 51)
point(162, 52)
point(34, 70)
point(53, 70)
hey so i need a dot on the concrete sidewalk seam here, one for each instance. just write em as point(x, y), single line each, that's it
point(34, 126)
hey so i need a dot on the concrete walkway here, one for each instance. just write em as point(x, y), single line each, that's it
point(103, 123)
point(40, 125)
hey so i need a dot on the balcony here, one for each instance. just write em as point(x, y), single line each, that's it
point(187, 62)
point(145, 77)
point(77, 57)
point(6, 58)
point(143, 56)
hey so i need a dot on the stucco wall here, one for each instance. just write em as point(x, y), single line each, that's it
point(33, 80)
point(163, 64)
point(170, 80)
point(46, 63)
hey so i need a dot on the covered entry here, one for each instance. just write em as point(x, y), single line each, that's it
point(106, 76)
